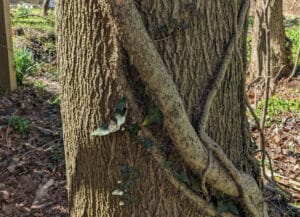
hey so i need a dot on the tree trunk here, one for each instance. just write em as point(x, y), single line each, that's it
point(46, 7)
point(281, 61)
point(96, 72)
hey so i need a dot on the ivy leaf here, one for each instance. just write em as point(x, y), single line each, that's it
point(191, 6)
point(233, 208)
point(183, 177)
point(223, 206)
point(118, 192)
point(163, 28)
point(121, 106)
point(147, 143)
point(133, 128)
point(168, 163)
point(186, 25)
point(103, 130)
point(154, 116)
point(120, 119)
point(195, 184)
point(175, 23)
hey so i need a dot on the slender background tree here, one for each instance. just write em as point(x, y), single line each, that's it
point(280, 46)
point(46, 7)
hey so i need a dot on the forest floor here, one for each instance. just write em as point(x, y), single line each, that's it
point(32, 165)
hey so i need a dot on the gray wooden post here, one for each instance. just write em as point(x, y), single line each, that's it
point(7, 72)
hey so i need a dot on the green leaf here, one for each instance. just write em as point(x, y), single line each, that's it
point(123, 168)
point(147, 143)
point(121, 106)
point(226, 206)
point(191, 6)
point(120, 119)
point(168, 163)
point(113, 126)
point(186, 25)
point(133, 128)
point(101, 132)
point(175, 23)
point(118, 192)
point(163, 28)
point(154, 116)
point(183, 177)
point(233, 208)
point(195, 184)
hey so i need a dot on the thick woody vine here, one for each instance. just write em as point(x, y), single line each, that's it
point(154, 74)
point(199, 151)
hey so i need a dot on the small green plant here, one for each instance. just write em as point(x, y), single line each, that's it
point(154, 117)
point(19, 124)
point(56, 101)
point(39, 85)
point(277, 107)
point(55, 154)
point(293, 33)
point(251, 21)
point(22, 10)
point(249, 41)
point(129, 176)
point(114, 125)
point(24, 63)
point(225, 204)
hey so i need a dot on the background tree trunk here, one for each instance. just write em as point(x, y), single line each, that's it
point(280, 45)
point(46, 7)
point(92, 62)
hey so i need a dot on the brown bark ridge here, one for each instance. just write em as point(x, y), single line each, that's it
point(93, 61)
point(280, 45)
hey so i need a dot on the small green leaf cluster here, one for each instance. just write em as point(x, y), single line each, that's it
point(225, 204)
point(55, 154)
point(22, 10)
point(56, 101)
point(182, 174)
point(293, 33)
point(278, 106)
point(19, 124)
point(154, 117)
point(129, 175)
point(24, 63)
point(114, 125)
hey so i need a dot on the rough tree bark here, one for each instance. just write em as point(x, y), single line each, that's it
point(281, 60)
point(106, 55)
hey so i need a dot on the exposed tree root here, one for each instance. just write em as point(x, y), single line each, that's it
point(204, 175)
point(155, 75)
